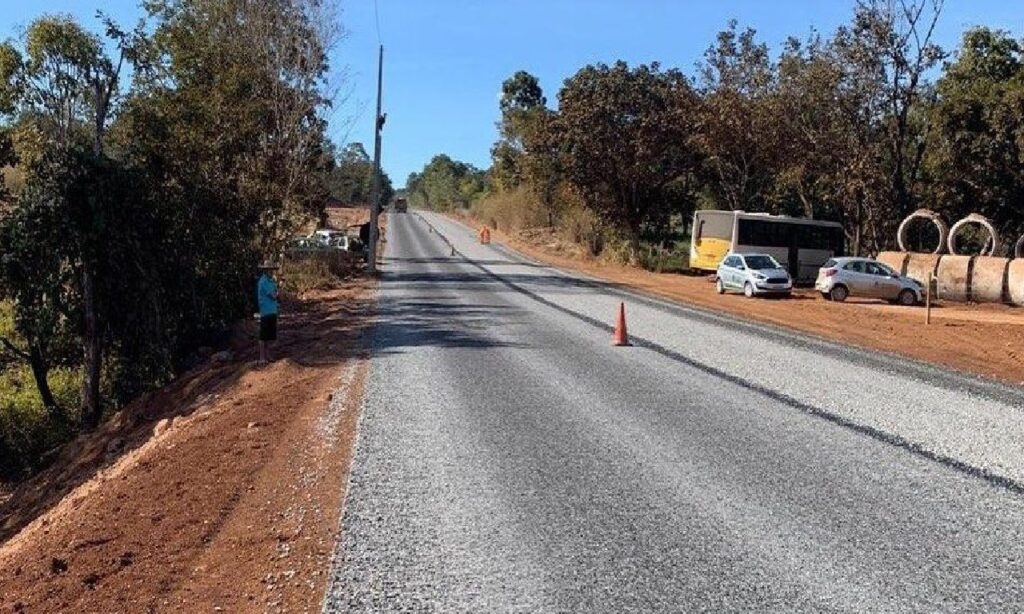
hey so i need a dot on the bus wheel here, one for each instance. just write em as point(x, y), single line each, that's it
point(748, 290)
point(719, 286)
point(839, 293)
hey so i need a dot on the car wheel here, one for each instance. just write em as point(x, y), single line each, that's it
point(907, 298)
point(748, 290)
point(839, 293)
point(719, 286)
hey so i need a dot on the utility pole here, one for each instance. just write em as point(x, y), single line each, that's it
point(375, 204)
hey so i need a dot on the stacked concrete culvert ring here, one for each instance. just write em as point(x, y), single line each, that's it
point(927, 214)
point(975, 218)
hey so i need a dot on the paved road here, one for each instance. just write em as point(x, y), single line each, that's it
point(510, 459)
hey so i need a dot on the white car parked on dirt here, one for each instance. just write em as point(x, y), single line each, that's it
point(840, 278)
point(753, 274)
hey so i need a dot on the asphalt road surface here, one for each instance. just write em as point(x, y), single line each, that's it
point(510, 459)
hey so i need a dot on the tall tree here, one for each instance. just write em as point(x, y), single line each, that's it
point(886, 56)
point(976, 161)
point(629, 135)
point(522, 103)
point(739, 119)
point(60, 85)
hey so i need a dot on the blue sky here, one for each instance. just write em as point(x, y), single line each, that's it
point(445, 59)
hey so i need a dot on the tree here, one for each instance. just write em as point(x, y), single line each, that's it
point(60, 86)
point(446, 184)
point(522, 103)
point(351, 179)
point(629, 142)
point(976, 161)
point(739, 120)
point(885, 56)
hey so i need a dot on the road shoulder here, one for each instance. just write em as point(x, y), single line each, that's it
point(222, 490)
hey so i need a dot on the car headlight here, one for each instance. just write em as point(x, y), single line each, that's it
point(759, 276)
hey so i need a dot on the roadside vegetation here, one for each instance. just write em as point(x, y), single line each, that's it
point(147, 170)
point(861, 126)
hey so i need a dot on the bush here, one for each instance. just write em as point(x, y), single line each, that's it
point(513, 210)
point(581, 226)
point(27, 432)
point(318, 270)
point(654, 258)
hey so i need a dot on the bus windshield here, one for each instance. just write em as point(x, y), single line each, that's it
point(760, 263)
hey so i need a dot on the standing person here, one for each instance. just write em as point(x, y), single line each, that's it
point(266, 298)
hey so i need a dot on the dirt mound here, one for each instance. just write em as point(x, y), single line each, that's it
point(222, 490)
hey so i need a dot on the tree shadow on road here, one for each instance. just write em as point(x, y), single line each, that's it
point(402, 325)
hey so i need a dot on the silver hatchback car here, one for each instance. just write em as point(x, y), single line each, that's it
point(753, 274)
point(840, 278)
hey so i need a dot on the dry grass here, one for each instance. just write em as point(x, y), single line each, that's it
point(302, 273)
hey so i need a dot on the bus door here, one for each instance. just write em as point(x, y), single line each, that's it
point(793, 257)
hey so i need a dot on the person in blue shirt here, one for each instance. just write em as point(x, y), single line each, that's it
point(266, 298)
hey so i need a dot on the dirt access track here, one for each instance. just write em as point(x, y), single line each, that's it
point(985, 340)
point(220, 492)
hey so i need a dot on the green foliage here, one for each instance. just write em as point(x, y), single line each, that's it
point(846, 127)
point(522, 104)
point(351, 179)
point(140, 216)
point(629, 135)
point(27, 431)
point(446, 184)
point(976, 162)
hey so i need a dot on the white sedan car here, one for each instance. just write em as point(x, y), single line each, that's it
point(753, 274)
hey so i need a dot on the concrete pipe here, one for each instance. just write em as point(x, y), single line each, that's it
point(927, 214)
point(988, 279)
point(975, 218)
point(918, 266)
point(1015, 281)
point(953, 278)
point(896, 260)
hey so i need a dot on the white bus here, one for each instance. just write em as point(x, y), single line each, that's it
point(801, 245)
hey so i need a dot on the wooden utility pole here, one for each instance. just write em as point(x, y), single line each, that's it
point(375, 204)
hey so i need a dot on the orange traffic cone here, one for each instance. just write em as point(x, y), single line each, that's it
point(621, 337)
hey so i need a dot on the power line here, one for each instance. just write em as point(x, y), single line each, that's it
point(376, 18)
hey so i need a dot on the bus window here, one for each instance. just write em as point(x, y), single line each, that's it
point(763, 233)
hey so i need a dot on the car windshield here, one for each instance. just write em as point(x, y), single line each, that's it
point(759, 263)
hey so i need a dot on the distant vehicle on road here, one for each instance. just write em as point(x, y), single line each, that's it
point(840, 278)
point(801, 245)
point(401, 205)
point(753, 274)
